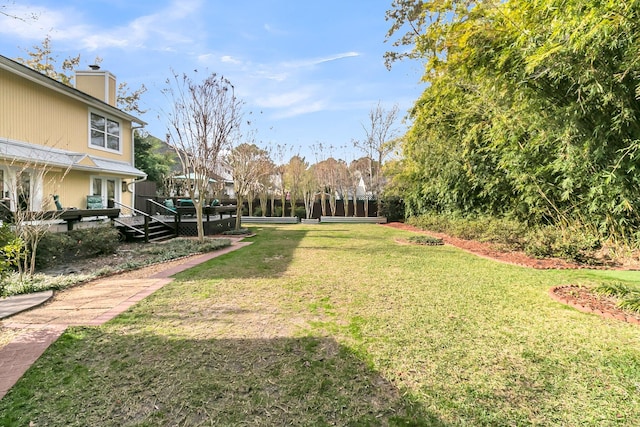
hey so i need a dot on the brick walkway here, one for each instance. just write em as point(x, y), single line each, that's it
point(88, 305)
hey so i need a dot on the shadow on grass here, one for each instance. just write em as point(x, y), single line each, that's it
point(269, 256)
point(92, 377)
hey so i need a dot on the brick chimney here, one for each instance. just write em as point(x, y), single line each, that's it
point(97, 83)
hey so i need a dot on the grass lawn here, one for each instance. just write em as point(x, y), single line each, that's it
point(337, 324)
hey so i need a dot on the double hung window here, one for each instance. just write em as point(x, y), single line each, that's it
point(105, 132)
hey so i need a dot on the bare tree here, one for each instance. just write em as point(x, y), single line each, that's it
point(249, 164)
point(294, 176)
point(279, 177)
point(267, 188)
point(5, 9)
point(355, 177)
point(309, 188)
point(342, 183)
point(205, 120)
point(364, 169)
point(34, 212)
point(327, 174)
point(377, 145)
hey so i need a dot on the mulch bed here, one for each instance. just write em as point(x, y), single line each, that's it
point(579, 297)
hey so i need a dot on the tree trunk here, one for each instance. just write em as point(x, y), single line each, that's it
point(323, 205)
point(273, 205)
point(199, 222)
point(239, 203)
point(263, 204)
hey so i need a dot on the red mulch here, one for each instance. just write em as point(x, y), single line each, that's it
point(581, 298)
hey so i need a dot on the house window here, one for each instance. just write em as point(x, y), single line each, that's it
point(105, 132)
point(107, 188)
point(24, 191)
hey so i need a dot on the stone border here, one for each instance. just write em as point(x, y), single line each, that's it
point(586, 309)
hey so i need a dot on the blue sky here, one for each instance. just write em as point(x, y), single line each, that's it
point(309, 71)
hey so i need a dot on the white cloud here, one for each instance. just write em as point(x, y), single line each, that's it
point(165, 29)
point(282, 100)
point(272, 30)
point(230, 60)
point(317, 61)
point(299, 109)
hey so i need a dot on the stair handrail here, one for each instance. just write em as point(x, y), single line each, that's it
point(137, 211)
point(173, 212)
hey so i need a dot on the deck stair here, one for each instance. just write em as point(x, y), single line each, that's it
point(145, 227)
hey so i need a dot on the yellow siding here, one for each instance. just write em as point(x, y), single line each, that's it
point(99, 84)
point(37, 115)
point(73, 187)
point(32, 113)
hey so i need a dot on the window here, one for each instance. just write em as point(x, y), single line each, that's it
point(24, 190)
point(106, 188)
point(105, 133)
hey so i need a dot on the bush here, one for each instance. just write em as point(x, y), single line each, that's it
point(96, 241)
point(11, 250)
point(426, 240)
point(257, 211)
point(84, 243)
point(277, 212)
point(239, 232)
point(300, 212)
point(628, 296)
point(392, 208)
point(571, 244)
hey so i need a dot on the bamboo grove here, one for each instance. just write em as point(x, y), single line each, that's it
point(531, 111)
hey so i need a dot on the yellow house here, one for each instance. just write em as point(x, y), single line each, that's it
point(65, 141)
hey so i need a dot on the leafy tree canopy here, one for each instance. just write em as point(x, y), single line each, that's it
point(531, 110)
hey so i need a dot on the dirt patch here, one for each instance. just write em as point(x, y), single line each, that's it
point(581, 298)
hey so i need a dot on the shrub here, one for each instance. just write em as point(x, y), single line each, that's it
point(628, 297)
point(300, 212)
point(631, 303)
point(96, 241)
point(277, 211)
point(257, 211)
point(11, 251)
point(571, 244)
point(241, 231)
point(426, 240)
point(53, 248)
point(615, 289)
point(84, 243)
point(392, 208)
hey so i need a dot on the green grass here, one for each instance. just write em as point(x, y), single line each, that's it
point(339, 325)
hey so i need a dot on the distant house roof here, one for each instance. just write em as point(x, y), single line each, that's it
point(34, 76)
point(65, 159)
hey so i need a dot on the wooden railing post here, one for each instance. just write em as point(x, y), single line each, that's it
point(146, 229)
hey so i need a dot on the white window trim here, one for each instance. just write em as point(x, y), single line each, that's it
point(104, 178)
point(35, 188)
point(4, 188)
point(106, 116)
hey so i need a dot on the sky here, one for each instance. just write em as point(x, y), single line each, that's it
point(308, 72)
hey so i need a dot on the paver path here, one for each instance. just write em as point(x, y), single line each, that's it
point(91, 304)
